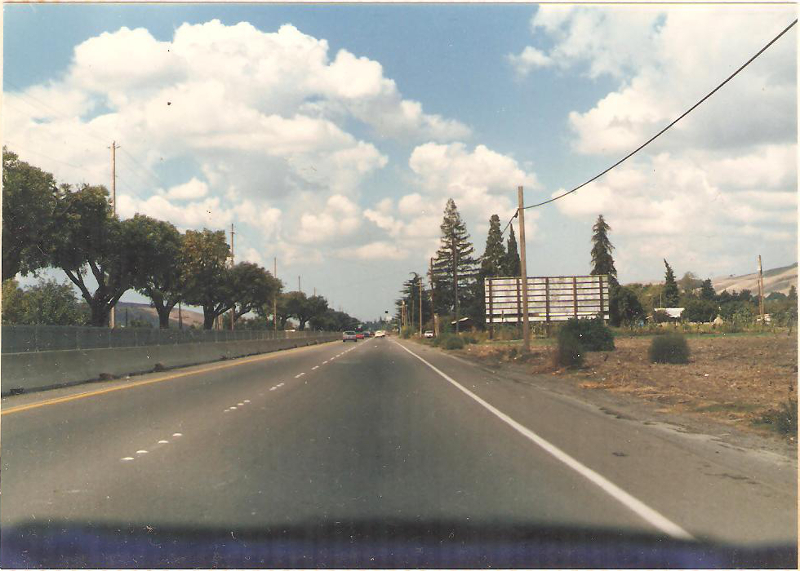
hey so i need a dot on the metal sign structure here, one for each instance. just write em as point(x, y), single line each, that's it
point(558, 298)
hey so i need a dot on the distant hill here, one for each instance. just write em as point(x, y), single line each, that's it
point(144, 312)
point(778, 279)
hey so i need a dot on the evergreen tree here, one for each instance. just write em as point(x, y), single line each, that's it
point(494, 255)
point(512, 265)
point(602, 261)
point(707, 290)
point(454, 268)
point(792, 294)
point(671, 294)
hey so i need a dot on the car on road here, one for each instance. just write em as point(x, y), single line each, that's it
point(349, 336)
point(380, 333)
point(360, 335)
point(428, 334)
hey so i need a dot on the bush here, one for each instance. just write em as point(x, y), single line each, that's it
point(784, 420)
point(661, 316)
point(406, 332)
point(569, 351)
point(593, 334)
point(669, 348)
point(451, 342)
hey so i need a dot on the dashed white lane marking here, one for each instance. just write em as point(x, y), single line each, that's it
point(315, 367)
point(127, 458)
point(281, 384)
point(635, 505)
point(324, 362)
point(226, 410)
point(177, 434)
point(233, 408)
point(239, 404)
point(246, 401)
point(141, 451)
point(163, 441)
point(273, 388)
point(298, 376)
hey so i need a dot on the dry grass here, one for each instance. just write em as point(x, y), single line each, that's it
point(731, 379)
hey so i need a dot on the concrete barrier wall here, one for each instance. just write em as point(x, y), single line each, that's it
point(24, 372)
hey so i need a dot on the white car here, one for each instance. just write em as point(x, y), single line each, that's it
point(428, 334)
point(380, 333)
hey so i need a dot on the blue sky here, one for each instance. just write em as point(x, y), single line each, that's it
point(365, 136)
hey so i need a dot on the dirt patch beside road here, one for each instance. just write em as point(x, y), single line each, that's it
point(734, 380)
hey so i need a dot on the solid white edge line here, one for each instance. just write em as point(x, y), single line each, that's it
point(637, 506)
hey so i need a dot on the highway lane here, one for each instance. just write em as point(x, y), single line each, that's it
point(344, 432)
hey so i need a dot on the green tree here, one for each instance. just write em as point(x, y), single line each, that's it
point(671, 295)
point(707, 291)
point(46, 303)
point(303, 308)
point(494, 255)
point(253, 287)
point(161, 266)
point(13, 300)
point(690, 283)
point(209, 282)
point(602, 260)
point(792, 294)
point(629, 310)
point(88, 239)
point(454, 267)
point(700, 311)
point(512, 263)
point(29, 202)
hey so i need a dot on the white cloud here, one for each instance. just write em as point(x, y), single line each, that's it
point(376, 251)
point(721, 185)
point(340, 216)
point(189, 190)
point(531, 58)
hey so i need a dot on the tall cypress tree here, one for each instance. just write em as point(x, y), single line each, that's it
point(602, 261)
point(494, 255)
point(454, 266)
point(671, 294)
point(512, 265)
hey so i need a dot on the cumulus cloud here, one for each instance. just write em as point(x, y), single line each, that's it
point(192, 189)
point(722, 183)
point(529, 59)
point(376, 251)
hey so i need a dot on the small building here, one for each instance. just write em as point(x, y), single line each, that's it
point(464, 324)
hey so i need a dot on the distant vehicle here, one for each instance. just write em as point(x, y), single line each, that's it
point(360, 335)
point(350, 336)
point(380, 333)
point(368, 334)
point(428, 334)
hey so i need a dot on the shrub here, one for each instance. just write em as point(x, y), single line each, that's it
point(593, 334)
point(660, 316)
point(406, 332)
point(569, 350)
point(451, 342)
point(469, 339)
point(669, 348)
point(784, 420)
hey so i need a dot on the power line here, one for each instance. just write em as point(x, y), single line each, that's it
point(662, 131)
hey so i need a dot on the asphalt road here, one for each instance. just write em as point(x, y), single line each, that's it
point(379, 430)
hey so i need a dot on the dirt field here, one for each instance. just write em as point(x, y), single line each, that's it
point(732, 379)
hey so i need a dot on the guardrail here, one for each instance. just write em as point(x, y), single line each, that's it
point(31, 338)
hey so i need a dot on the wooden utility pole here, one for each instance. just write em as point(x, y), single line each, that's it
point(112, 318)
point(420, 306)
point(180, 315)
point(523, 270)
point(275, 297)
point(760, 291)
point(233, 309)
point(299, 285)
point(433, 306)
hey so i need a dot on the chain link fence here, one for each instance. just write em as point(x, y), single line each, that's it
point(29, 338)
